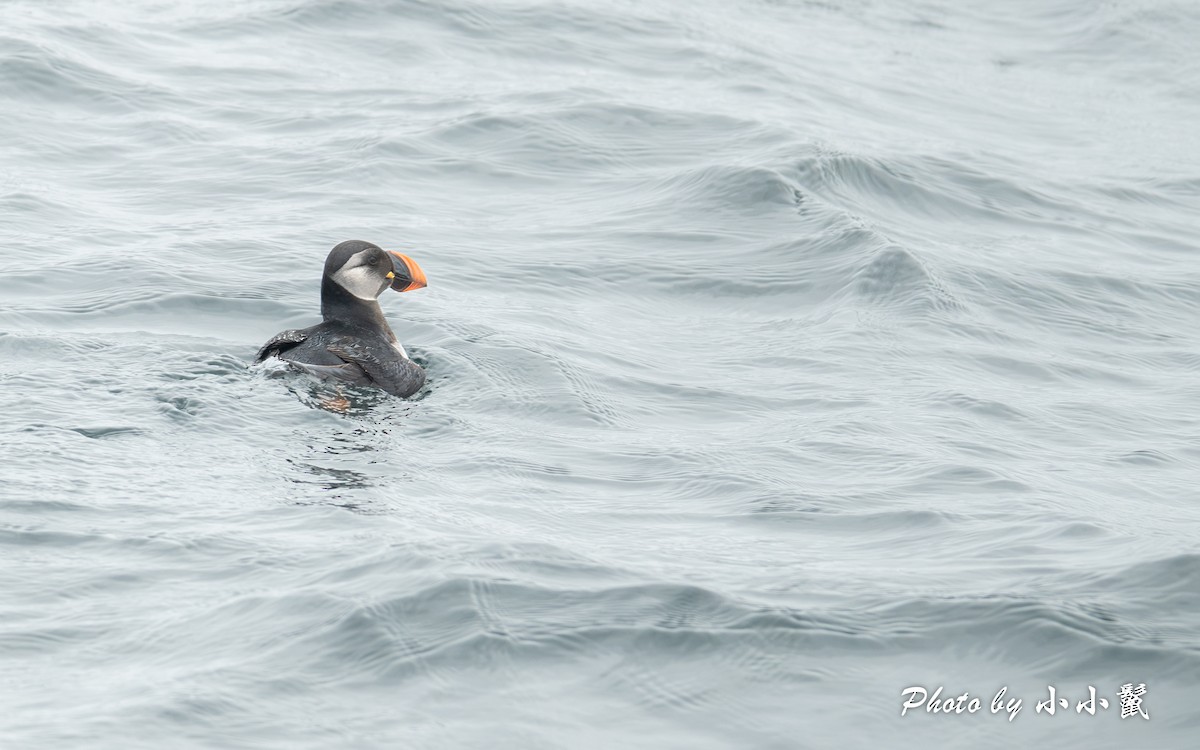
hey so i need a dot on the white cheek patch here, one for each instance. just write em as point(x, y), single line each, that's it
point(360, 281)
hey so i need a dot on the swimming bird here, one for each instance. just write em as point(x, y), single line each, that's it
point(354, 343)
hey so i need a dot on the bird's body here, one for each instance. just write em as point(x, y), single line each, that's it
point(354, 343)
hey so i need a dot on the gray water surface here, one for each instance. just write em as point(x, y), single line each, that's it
point(782, 356)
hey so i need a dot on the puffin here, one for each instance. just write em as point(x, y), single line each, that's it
point(353, 344)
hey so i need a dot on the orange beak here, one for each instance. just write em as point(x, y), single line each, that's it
point(407, 274)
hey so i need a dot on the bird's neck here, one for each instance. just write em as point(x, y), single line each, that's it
point(340, 305)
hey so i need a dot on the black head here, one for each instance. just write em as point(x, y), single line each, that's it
point(365, 270)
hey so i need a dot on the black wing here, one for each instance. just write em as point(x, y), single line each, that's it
point(346, 372)
point(397, 375)
point(281, 342)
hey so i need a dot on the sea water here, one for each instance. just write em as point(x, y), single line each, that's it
point(788, 362)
